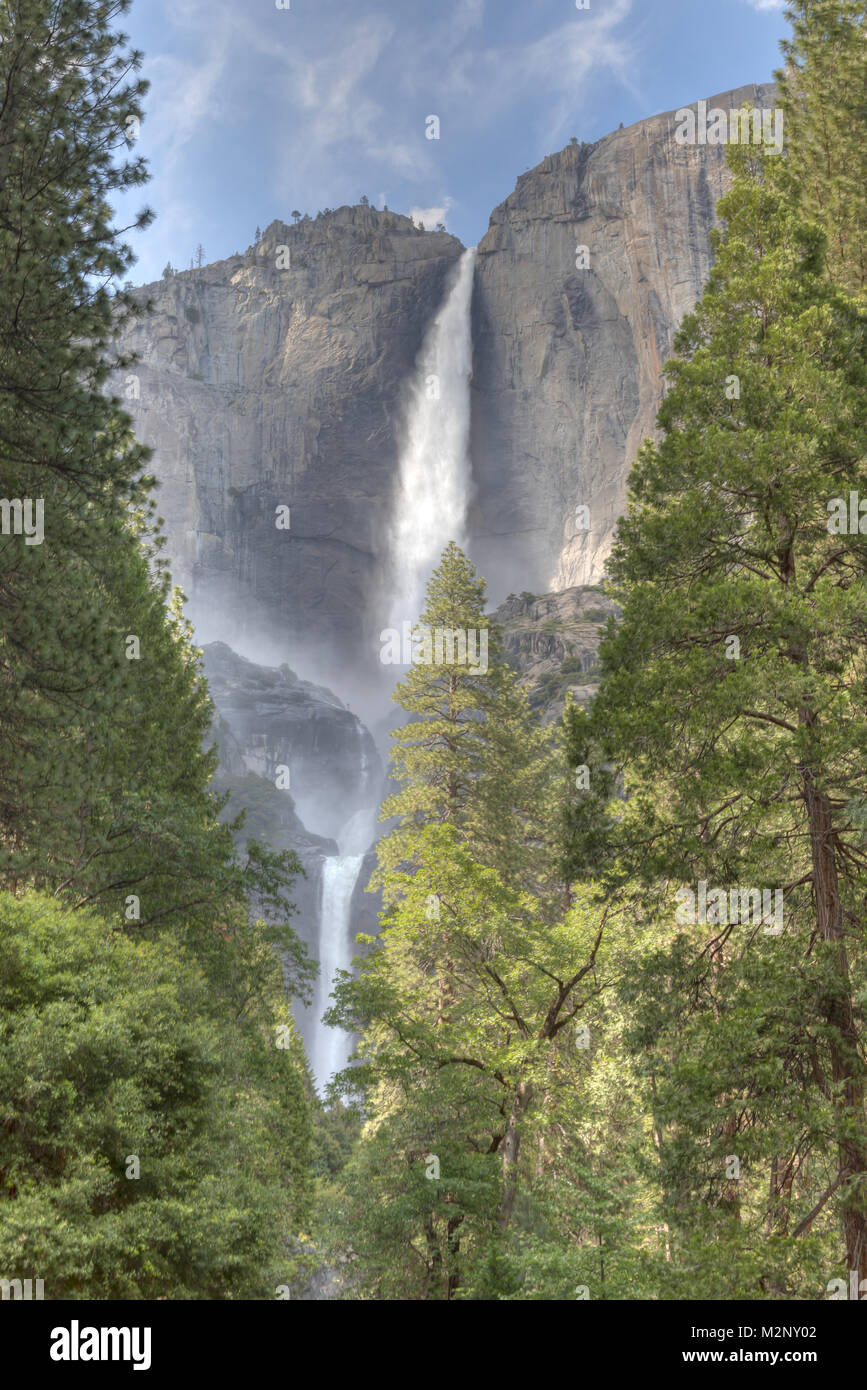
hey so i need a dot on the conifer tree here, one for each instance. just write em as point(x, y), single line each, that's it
point(65, 446)
point(471, 755)
point(733, 691)
point(466, 1001)
point(822, 89)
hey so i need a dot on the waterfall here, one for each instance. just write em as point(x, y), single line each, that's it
point(430, 509)
point(331, 1046)
point(434, 480)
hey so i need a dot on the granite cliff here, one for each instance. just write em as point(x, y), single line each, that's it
point(269, 722)
point(552, 642)
point(568, 362)
point(276, 378)
point(262, 386)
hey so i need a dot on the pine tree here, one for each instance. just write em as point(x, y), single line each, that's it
point(471, 754)
point(105, 789)
point(822, 91)
point(466, 1000)
point(64, 442)
point(734, 689)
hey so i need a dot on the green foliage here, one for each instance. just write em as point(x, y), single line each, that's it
point(733, 694)
point(822, 92)
point(467, 1002)
point(150, 1027)
point(471, 754)
point(111, 1049)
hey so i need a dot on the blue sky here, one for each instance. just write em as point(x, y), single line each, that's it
point(254, 111)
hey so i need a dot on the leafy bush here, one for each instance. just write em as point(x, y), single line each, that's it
point(111, 1050)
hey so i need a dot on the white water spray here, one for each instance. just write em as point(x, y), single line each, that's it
point(434, 481)
point(430, 509)
point(331, 1046)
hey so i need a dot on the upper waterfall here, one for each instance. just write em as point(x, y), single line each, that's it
point(434, 479)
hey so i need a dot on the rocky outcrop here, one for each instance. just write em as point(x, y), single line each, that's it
point(274, 379)
point(328, 759)
point(552, 641)
point(270, 721)
point(568, 362)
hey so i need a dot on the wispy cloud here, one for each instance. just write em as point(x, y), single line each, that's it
point(312, 107)
point(558, 63)
point(431, 216)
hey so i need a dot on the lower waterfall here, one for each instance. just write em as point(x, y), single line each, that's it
point(331, 1046)
point(432, 494)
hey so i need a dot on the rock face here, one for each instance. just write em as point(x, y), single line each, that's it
point(261, 387)
point(568, 362)
point(280, 721)
point(267, 719)
point(276, 379)
point(552, 641)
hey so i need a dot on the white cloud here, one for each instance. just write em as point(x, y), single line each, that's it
point(493, 80)
point(765, 6)
point(320, 102)
point(431, 216)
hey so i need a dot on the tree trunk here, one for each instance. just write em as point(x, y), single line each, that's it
point(782, 1173)
point(837, 1009)
point(434, 1259)
point(509, 1149)
point(453, 1241)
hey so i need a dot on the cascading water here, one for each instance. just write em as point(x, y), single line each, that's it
point(330, 1047)
point(434, 479)
point(430, 509)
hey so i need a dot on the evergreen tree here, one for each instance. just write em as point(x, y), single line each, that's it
point(822, 89)
point(152, 1145)
point(64, 444)
point(475, 1012)
point(466, 1002)
point(106, 800)
point(471, 754)
point(734, 688)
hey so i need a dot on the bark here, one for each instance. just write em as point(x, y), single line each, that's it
point(453, 1241)
point(837, 1009)
point(434, 1259)
point(782, 1174)
point(657, 1140)
point(731, 1197)
point(510, 1148)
